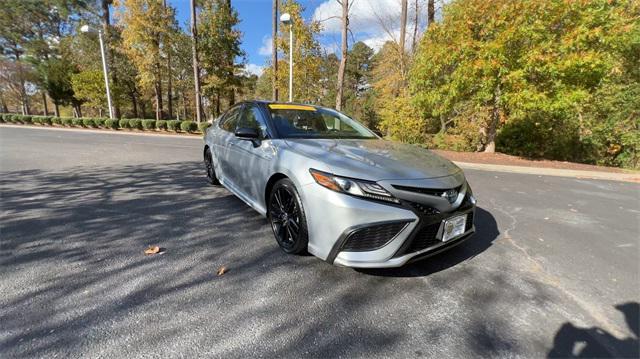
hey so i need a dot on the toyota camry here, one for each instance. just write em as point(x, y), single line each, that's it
point(331, 187)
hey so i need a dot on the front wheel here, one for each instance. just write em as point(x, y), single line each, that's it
point(287, 217)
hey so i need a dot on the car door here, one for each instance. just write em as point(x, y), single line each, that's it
point(223, 140)
point(251, 159)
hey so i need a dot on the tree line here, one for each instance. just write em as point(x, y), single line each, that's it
point(546, 79)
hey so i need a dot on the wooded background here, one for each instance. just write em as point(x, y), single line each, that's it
point(556, 79)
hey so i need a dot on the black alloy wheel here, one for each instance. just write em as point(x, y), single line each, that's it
point(208, 163)
point(287, 217)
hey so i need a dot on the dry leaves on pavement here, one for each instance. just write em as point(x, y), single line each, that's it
point(152, 250)
point(222, 270)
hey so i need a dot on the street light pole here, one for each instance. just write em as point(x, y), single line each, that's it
point(290, 63)
point(105, 70)
point(286, 19)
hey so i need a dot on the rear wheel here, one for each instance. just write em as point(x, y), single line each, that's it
point(287, 217)
point(208, 164)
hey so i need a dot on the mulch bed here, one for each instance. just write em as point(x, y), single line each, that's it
point(508, 160)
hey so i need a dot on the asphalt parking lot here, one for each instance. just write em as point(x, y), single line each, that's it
point(552, 271)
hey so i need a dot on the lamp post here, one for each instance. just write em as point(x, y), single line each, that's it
point(105, 70)
point(286, 20)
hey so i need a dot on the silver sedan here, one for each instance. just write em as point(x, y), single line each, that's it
point(331, 187)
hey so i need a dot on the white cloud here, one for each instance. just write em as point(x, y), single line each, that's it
point(267, 46)
point(374, 22)
point(253, 69)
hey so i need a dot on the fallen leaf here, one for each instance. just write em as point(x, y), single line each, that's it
point(222, 270)
point(152, 250)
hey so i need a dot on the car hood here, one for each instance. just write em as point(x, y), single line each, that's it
point(375, 159)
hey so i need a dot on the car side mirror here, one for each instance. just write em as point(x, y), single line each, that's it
point(251, 134)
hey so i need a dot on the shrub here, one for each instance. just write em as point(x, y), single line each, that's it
point(16, 119)
point(173, 125)
point(99, 122)
point(36, 120)
point(112, 124)
point(135, 124)
point(189, 126)
point(67, 121)
point(124, 123)
point(77, 122)
point(2, 117)
point(149, 124)
point(56, 120)
point(203, 126)
point(161, 125)
point(46, 120)
point(88, 122)
point(26, 119)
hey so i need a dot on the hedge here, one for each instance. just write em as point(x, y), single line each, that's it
point(135, 123)
point(173, 125)
point(112, 124)
point(189, 126)
point(161, 125)
point(149, 124)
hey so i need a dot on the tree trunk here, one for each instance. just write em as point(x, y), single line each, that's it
point(143, 107)
point(217, 103)
point(24, 100)
point(106, 29)
point(169, 87)
point(44, 103)
point(403, 33)
point(134, 104)
point(495, 120)
point(274, 51)
point(415, 28)
point(343, 59)
point(158, 93)
point(194, 54)
point(431, 12)
point(56, 108)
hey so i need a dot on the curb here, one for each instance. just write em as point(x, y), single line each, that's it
point(106, 131)
point(543, 171)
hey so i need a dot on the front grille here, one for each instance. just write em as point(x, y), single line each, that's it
point(424, 209)
point(422, 190)
point(372, 237)
point(424, 238)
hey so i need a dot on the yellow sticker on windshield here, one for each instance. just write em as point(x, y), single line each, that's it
point(284, 106)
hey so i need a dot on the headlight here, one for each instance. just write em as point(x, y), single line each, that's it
point(360, 188)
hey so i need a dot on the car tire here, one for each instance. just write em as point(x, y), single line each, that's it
point(287, 217)
point(212, 178)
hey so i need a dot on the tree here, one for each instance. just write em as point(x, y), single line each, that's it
point(431, 12)
point(532, 78)
point(56, 74)
point(220, 46)
point(274, 50)
point(196, 65)
point(146, 24)
point(343, 54)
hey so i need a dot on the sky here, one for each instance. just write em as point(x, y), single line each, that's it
point(371, 21)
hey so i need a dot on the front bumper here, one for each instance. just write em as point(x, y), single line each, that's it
point(412, 232)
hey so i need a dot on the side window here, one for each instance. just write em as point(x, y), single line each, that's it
point(230, 120)
point(252, 118)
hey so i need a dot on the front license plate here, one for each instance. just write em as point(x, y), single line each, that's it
point(453, 227)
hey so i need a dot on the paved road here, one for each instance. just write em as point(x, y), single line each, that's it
point(553, 269)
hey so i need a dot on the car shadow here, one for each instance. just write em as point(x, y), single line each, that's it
point(486, 232)
point(595, 342)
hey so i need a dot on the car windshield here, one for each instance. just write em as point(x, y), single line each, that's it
point(299, 121)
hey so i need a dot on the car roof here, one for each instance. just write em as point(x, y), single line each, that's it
point(268, 102)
